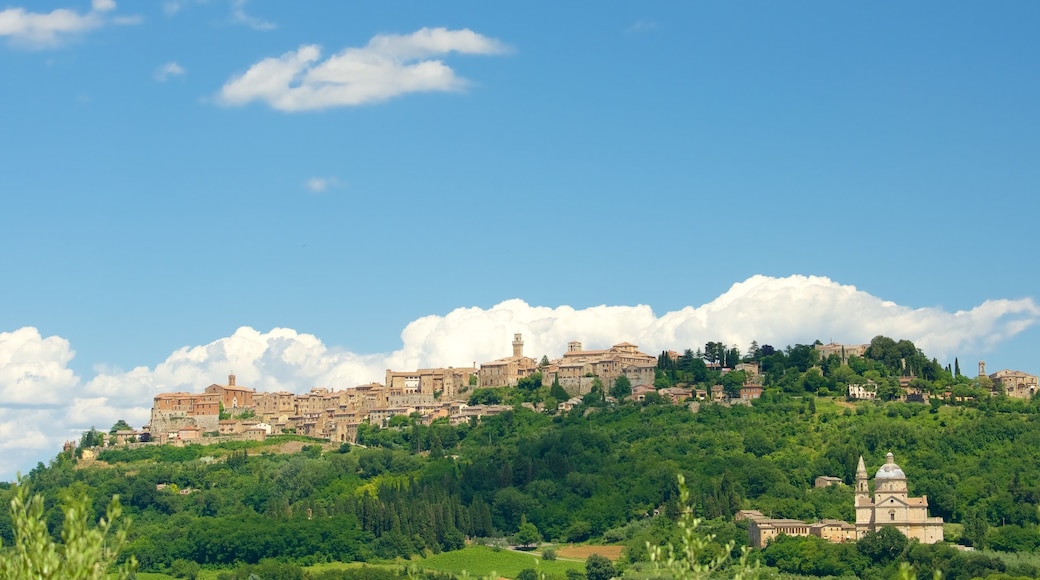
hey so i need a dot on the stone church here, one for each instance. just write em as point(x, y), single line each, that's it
point(892, 505)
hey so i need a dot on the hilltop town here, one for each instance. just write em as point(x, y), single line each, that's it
point(232, 411)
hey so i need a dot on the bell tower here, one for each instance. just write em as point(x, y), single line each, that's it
point(518, 345)
point(864, 507)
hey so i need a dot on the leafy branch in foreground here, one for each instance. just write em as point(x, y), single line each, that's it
point(698, 557)
point(84, 553)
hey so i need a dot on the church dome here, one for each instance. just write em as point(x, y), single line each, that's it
point(890, 470)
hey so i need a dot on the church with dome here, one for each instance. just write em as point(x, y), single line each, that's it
point(892, 506)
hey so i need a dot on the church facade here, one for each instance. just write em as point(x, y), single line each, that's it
point(892, 506)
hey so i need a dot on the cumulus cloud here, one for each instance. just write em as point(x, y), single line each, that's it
point(168, 71)
point(42, 403)
point(33, 369)
point(388, 66)
point(50, 29)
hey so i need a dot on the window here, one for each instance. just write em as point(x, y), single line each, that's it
point(892, 516)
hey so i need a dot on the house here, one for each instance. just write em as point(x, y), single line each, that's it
point(1015, 383)
point(750, 392)
point(676, 394)
point(827, 481)
point(639, 392)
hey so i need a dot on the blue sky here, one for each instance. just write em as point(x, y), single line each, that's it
point(173, 172)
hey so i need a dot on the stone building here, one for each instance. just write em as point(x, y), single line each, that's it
point(1015, 383)
point(892, 505)
point(449, 382)
point(844, 351)
point(506, 372)
point(231, 395)
point(578, 368)
point(174, 411)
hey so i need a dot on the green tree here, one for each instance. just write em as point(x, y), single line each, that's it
point(975, 528)
point(622, 388)
point(91, 438)
point(883, 546)
point(120, 425)
point(698, 557)
point(558, 392)
point(527, 535)
point(599, 568)
point(84, 553)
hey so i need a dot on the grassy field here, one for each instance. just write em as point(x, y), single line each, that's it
point(482, 561)
point(476, 561)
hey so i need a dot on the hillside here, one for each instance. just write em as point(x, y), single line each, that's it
point(596, 473)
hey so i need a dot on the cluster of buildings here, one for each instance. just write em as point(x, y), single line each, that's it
point(232, 410)
point(235, 411)
point(891, 506)
point(1016, 384)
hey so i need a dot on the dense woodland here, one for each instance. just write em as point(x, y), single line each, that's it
point(604, 472)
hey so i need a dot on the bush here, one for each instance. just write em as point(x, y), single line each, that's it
point(549, 554)
point(181, 568)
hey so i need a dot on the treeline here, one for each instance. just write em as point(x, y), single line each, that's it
point(800, 369)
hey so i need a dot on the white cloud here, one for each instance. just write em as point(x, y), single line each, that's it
point(321, 184)
point(50, 29)
point(168, 71)
point(33, 369)
point(239, 16)
point(388, 66)
point(42, 402)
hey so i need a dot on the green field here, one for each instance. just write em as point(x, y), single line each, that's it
point(482, 561)
point(475, 561)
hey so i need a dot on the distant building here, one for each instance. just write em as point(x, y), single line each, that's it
point(425, 383)
point(577, 369)
point(866, 391)
point(843, 351)
point(892, 506)
point(1015, 383)
point(506, 372)
point(827, 481)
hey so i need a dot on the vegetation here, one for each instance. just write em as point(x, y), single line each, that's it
point(601, 472)
point(84, 553)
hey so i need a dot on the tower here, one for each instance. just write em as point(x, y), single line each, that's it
point(862, 486)
point(864, 507)
point(982, 368)
point(231, 380)
point(518, 345)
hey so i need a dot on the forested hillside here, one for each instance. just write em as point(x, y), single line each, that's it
point(605, 471)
